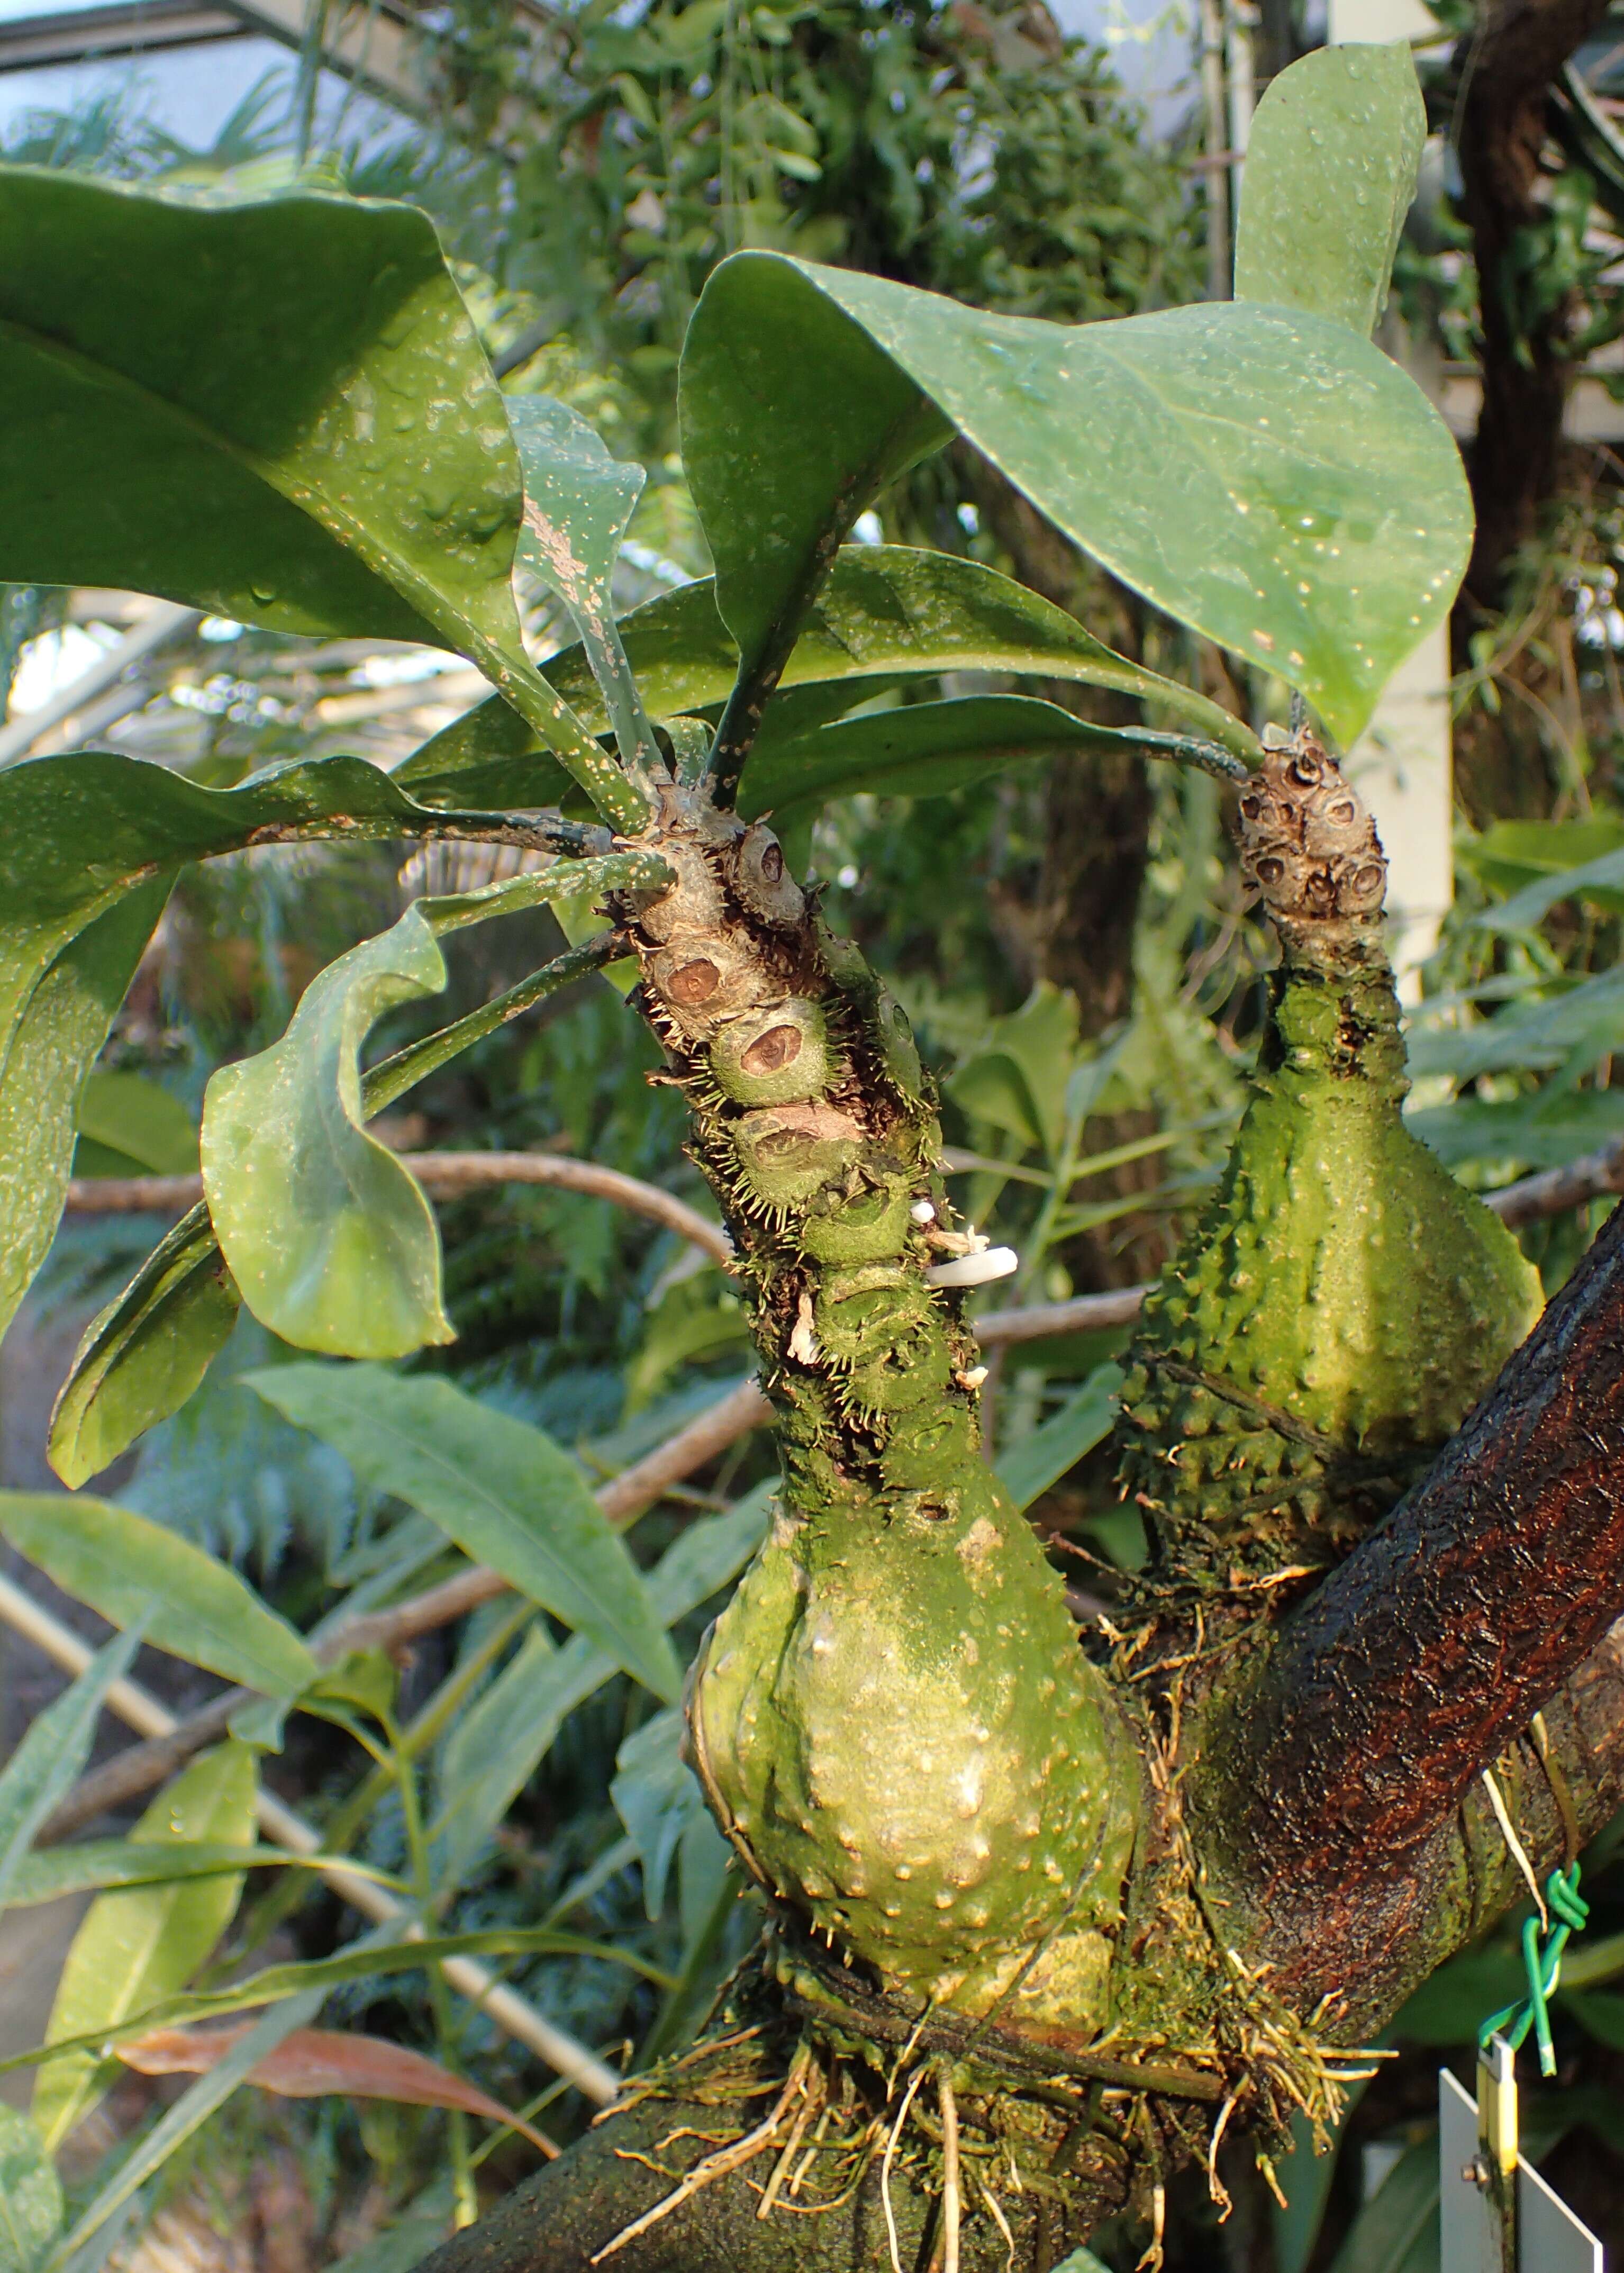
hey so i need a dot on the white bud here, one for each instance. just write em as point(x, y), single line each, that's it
point(975, 1269)
point(922, 1211)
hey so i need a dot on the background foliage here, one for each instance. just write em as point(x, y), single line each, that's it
point(515, 1782)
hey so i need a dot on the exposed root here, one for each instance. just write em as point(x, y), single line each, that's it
point(712, 2167)
point(951, 2195)
point(895, 2134)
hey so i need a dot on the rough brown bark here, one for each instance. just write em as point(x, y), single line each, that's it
point(1336, 1769)
point(1506, 68)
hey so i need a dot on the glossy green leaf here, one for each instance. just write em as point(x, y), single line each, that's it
point(889, 614)
point(136, 1121)
point(1449, 2005)
point(143, 1355)
point(1085, 1420)
point(30, 2193)
point(929, 749)
point(94, 1865)
point(186, 2116)
point(577, 502)
point(130, 1569)
point(1331, 161)
point(88, 842)
point(59, 1016)
point(372, 1959)
point(501, 1490)
point(1261, 473)
point(49, 1757)
point(329, 1240)
point(1599, 2015)
point(276, 408)
point(792, 425)
point(135, 1948)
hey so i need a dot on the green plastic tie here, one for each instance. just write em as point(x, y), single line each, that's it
point(1542, 1959)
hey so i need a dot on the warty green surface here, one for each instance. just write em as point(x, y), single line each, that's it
point(908, 1741)
point(893, 1718)
point(1336, 1312)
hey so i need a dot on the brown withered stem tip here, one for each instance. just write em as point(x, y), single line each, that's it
point(1306, 842)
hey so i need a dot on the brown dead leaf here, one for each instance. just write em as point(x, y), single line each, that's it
point(323, 2063)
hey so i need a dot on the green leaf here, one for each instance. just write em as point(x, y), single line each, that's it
point(1331, 163)
point(143, 1355)
point(51, 1755)
point(275, 408)
point(1085, 1420)
point(577, 503)
point(929, 749)
point(129, 1114)
point(1397, 2232)
point(95, 1864)
point(1017, 1080)
point(129, 1568)
point(88, 843)
point(888, 615)
point(1599, 2015)
point(1260, 474)
point(1600, 880)
point(373, 1961)
point(495, 1749)
point(137, 1948)
point(1545, 1130)
point(497, 1746)
point(187, 2116)
point(331, 1241)
point(30, 2193)
point(58, 1021)
point(658, 1797)
point(1574, 1029)
point(505, 1492)
point(792, 425)
point(1447, 2006)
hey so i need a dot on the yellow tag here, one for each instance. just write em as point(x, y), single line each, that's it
point(1497, 2104)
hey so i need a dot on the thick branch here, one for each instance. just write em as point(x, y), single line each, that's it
point(1516, 49)
point(564, 2219)
point(1333, 1771)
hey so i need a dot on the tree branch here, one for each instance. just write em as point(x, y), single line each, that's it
point(443, 1175)
point(1515, 50)
point(1333, 1770)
